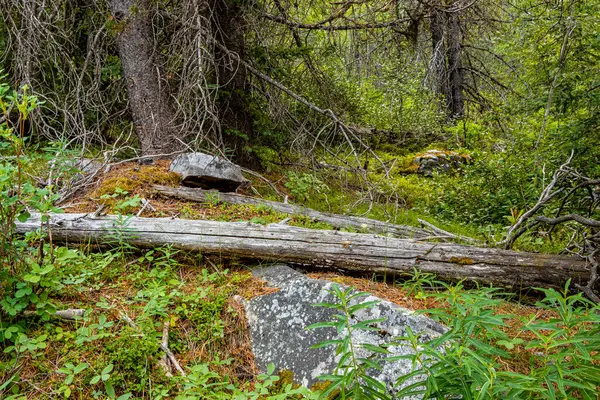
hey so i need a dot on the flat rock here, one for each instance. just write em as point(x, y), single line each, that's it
point(208, 172)
point(277, 323)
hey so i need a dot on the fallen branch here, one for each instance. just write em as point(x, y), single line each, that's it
point(335, 220)
point(443, 234)
point(145, 204)
point(588, 289)
point(70, 313)
point(569, 217)
point(547, 194)
point(164, 360)
point(172, 359)
point(326, 249)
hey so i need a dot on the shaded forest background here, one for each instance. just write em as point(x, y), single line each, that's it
point(356, 84)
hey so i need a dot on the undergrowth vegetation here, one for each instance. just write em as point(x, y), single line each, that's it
point(129, 297)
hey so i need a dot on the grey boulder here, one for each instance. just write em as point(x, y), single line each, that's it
point(277, 323)
point(208, 172)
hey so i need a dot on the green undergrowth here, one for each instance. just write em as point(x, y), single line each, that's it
point(130, 298)
point(479, 200)
point(113, 350)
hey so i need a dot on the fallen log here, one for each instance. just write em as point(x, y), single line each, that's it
point(322, 248)
point(335, 220)
point(69, 313)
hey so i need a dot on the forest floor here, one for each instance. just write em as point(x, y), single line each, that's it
point(207, 324)
point(194, 294)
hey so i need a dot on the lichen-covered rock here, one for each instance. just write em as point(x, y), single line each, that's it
point(437, 160)
point(208, 172)
point(277, 323)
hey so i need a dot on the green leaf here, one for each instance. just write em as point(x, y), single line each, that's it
point(108, 369)
point(326, 324)
point(31, 278)
point(332, 342)
point(24, 216)
point(110, 390)
point(80, 367)
point(374, 348)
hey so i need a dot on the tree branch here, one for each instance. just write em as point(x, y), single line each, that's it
point(323, 26)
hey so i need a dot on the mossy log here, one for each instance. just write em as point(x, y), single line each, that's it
point(335, 220)
point(322, 248)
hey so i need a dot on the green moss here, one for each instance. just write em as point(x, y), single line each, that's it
point(462, 260)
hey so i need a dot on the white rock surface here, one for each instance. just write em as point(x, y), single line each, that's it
point(277, 324)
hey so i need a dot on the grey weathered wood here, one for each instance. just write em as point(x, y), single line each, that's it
point(69, 313)
point(321, 248)
point(335, 220)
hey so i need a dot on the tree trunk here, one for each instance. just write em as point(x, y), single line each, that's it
point(446, 60)
point(337, 221)
point(149, 100)
point(456, 108)
point(327, 249)
point(438, 55)
point(237, 130)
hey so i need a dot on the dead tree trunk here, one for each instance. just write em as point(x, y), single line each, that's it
point(456, 107)
point(438, 55)
point(237, 129)
point(338, 221)
point(446, 60)
point(150, 103)
point(327, 249)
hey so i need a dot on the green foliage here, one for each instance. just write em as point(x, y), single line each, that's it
point(304, 186)
point(488, 190)
point(350, 377)
point(467, 360)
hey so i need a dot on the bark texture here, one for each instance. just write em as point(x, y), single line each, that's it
point(456, 107)
point(327, 249)
point(446, 60)
point(149, 100)
point(438, 54)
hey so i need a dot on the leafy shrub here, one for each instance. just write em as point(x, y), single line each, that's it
point(305, 186)
point(350, 378)
point(468, 361)
point(488, 191)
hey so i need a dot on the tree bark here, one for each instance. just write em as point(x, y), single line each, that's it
point(438, 54)
point(326, 249)
point(236, 120)
point(150, 103)
point(337, 221)
point(446, 60)
point(456, 107)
